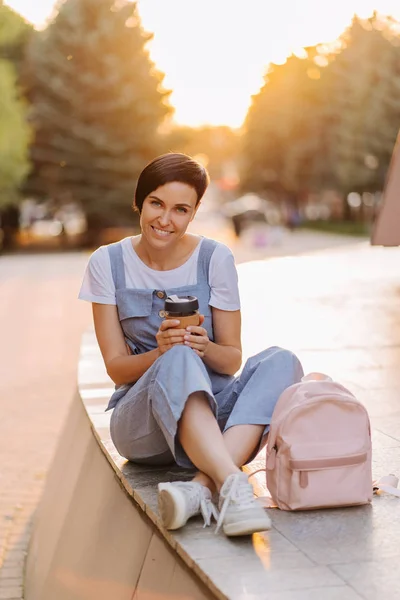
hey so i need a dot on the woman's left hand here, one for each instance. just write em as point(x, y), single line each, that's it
point(196, 337)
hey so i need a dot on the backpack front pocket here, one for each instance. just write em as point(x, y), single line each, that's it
point(321, 476)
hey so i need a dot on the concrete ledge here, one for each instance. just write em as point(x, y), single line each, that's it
point(97, 534)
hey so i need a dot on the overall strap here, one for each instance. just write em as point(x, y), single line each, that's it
point(203, 263)
point(117, 264)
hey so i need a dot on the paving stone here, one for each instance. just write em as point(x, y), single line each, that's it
point(10, 593)
point(262, 582)
point(382, 440)
point(10, 583)
point(11, 572)
point(372, 579)
point(325, 593)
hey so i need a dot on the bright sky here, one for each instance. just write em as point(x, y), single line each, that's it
point(214, 52)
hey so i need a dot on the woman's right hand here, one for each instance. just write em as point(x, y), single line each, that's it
point(168, 335)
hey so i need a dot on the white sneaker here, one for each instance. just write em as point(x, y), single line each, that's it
point(240, 514)
point(178, 501)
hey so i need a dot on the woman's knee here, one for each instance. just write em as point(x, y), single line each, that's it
point(289, 358)
point(278, 358)
point(180, 355)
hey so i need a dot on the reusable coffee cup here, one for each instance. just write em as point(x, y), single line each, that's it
point(184, 309)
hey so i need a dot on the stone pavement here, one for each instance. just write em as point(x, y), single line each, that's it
point(41, 324)
point(338, 309)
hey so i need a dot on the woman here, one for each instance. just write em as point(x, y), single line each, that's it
point(176, 396)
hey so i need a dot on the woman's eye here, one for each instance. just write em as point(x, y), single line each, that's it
point(181, 209)
point(155, 203)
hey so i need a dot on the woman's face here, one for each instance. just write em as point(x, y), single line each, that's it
point(167, 212)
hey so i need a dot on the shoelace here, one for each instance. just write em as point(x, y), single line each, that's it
point(235, 490)
point(207, 507)
point(208, 510)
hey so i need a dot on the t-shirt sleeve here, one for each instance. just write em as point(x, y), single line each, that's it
point(98, 284)
point(223, 280)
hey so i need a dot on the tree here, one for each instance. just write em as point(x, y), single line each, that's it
point(328, 120)
point(282, 129)
point(14, 129)
point(97, 105)
point(15, 33)
point(365, 95)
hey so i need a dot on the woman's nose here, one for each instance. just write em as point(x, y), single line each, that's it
point(164, 218)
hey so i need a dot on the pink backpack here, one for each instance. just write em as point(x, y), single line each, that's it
point(319, 447)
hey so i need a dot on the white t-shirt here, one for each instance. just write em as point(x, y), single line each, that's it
point(98, 285)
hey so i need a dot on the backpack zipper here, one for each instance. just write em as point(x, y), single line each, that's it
point(275, 447)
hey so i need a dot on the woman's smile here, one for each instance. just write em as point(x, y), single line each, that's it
point(161, 232)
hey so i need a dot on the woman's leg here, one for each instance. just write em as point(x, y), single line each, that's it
point(145, 421)
point(181, 405)
point(202, 440)
point(240, 442)
point(218, 457)
point(275, 366)
point(263, 379)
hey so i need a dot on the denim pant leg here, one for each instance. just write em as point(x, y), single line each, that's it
point(257, 389)
point(181, 374)
point(145, 422)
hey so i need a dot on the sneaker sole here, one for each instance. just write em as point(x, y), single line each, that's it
point(247, 527)
point(170, 505)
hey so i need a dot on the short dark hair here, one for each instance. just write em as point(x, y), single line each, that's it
point(167, 168)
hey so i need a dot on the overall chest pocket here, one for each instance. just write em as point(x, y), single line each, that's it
point(135, 308)
point(134, 303)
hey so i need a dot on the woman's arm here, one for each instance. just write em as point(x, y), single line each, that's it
point(224, 355)
point(120, 365)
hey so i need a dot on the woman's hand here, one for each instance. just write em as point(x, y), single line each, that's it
point(196, 337)
point(168, 335)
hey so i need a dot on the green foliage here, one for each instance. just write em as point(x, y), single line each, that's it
point(14, 130)
point(14, 34)
point(356, 228)
point(328, 120)
point(14, 135)
point(366, 97)
point(97, 106)
point(283, 125)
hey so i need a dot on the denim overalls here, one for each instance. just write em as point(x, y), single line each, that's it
point(145, 418)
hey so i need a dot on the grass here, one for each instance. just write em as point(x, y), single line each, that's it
point(339, 227)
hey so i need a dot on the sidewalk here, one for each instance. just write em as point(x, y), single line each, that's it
point(289, 243)
point(41, 324)
point(337, 309)
point(256, 244)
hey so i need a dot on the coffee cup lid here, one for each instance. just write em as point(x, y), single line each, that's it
point(179, 304)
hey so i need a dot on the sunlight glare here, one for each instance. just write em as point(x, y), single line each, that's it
point(215, 54)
